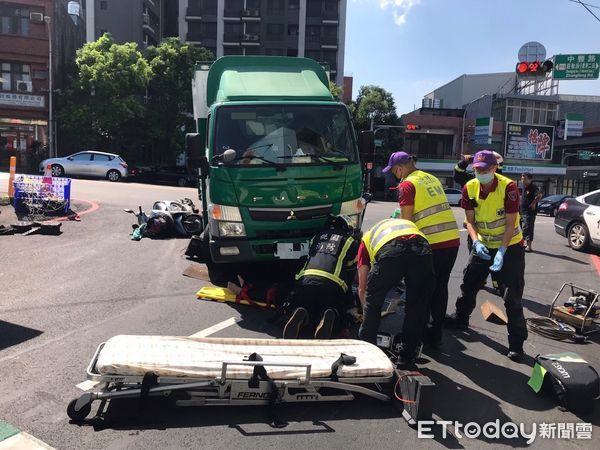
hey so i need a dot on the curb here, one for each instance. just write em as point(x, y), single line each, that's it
point(13, 439)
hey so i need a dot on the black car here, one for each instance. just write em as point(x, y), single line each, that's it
point(578, 219)
point(174, 175)
point(549, 205)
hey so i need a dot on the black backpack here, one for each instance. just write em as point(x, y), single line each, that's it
point(572, 379)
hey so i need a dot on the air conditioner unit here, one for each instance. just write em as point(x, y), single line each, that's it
point(251, 12)
point(24, 86)
point(36, 17)
point(250, 37)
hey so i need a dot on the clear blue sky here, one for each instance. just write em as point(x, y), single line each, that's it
point(410, 47)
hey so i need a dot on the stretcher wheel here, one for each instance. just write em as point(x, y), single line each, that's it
point(78, 416)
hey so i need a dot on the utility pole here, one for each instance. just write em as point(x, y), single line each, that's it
point(51, 149)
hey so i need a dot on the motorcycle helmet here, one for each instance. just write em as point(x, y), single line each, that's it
point(343, 223)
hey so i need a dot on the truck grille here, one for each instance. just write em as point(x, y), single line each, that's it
point(281, 214)
point(283, 234)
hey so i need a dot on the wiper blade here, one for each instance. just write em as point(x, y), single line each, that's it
point(320, 158)
point(279, 167)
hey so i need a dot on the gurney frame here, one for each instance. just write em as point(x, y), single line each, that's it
point(223, 390)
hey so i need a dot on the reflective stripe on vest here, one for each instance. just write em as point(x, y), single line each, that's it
point(335, 276)
point(385, 231)
point(490, 217)
point(432, 213)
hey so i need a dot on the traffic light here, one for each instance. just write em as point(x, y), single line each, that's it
point(412, 127)
point(534, 68)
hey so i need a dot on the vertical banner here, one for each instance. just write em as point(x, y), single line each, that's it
point(483, 130)
point(573, 125)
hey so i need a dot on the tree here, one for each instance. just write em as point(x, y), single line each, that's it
point(374, 103)
point(335, 90)
point(169, 108)
point(102, 105)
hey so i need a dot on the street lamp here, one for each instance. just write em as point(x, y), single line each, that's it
point(462, 135)
point(51, 149)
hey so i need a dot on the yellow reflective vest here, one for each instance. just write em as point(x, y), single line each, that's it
point(432, 213)
point(385, 231)
point(490, 217)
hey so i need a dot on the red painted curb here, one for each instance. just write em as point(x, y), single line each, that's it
point(596, 262)
point(93, 207)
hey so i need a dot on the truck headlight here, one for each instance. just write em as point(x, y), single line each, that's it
point(354, 209)
point(231, 229)
point(228, 220)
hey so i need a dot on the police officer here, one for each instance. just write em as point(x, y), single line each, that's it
point(423, 201)
point(462, 177)
point(394, 249)
point(491, 204)
point(323, 286)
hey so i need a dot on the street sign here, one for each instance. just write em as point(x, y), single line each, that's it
point(576, 67)
point(585, 155)
point(573, 125)
point(483, 130)
point(378, 143)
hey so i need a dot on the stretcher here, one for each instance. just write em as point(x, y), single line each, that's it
point(229, 371)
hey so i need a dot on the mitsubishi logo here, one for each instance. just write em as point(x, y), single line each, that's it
point(292, 216)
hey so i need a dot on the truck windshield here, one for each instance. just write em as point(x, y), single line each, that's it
point(285, 134)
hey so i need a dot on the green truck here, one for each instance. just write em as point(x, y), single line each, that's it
point(276, 156)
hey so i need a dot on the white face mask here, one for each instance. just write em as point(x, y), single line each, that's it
point(485, 178)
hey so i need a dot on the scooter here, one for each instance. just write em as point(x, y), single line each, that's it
point(180, 216)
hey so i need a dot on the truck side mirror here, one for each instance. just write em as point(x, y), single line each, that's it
point(193, 149)
point(366, 144)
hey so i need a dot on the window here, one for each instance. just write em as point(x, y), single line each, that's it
point(252, 28)
point(104, 4)
point(275, 31)
point(274, 52)
point(12, 74)
point(5, 85)
point(313, 54)
point(14, 20)
point(233, 50)
point(593, 199)
point(254, 50)
point(293, 4)
point(313, 33)
point(275, 7)
point(292, 52)
point(292, 30)
point(103, 158)
point(81, 157)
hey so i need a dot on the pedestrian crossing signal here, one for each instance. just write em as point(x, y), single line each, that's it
point(412, 127)
point(534, 67)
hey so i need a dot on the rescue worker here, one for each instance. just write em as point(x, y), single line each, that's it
point(491, 204)
point(391, 250)
point(423, 201)
point(323, 286)
point(462, 176)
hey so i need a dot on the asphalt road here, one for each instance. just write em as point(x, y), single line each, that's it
point(62, 296)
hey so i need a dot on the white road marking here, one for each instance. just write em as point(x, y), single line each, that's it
point(217, 327)
point(87, 385)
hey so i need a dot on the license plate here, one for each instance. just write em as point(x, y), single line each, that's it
point(291, 251)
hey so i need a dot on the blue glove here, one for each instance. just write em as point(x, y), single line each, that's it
point(481, 250)
point(498, 260)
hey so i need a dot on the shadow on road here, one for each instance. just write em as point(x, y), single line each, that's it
point(13, 334)
point(563, 257)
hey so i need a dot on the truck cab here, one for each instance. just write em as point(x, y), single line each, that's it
point(277, 156)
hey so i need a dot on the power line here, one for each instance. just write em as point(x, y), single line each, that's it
point(589, 10)
point(586, 4)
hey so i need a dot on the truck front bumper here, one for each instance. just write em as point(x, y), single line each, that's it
point(244, 250)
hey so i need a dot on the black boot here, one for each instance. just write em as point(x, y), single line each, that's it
point(297, 321)
point(456, 322)
point(325, 327)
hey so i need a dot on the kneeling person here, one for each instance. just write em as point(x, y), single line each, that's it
point(323, 286)
point(394, 249)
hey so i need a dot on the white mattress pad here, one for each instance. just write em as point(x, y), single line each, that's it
point(179, 356)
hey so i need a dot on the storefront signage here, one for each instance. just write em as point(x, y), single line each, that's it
point(529, 141)
point(25, 100)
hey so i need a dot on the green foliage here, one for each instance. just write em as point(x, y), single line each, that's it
point(335, 90)
point(374, 102)
point(123, 100)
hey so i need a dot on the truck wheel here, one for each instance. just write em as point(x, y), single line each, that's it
point(218, 273)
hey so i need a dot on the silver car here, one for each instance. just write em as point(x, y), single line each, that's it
point(89, 164)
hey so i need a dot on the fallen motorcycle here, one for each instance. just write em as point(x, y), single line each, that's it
point(169, 218)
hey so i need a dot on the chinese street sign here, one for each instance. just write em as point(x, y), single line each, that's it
point(585, 155)
point(483, 130)
point(573, 125)
point(576, 67)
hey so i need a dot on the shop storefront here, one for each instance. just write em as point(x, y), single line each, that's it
point(23, 138)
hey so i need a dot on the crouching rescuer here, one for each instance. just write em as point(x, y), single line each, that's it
point(394, 249)
point(323, 286)
point(491, 203)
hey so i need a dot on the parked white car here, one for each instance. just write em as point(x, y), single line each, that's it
point(89, 164)
point(453, 195)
